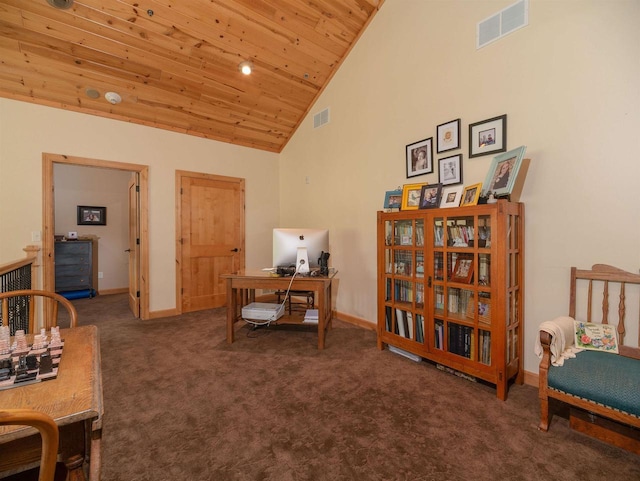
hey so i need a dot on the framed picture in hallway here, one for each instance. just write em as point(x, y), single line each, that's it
point(488, 136)
point(88, 215)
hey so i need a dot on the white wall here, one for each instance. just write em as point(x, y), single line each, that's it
point(28, 130)
point(90, 186)
point(570, 86)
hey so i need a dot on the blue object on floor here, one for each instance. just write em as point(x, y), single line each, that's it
point(79, 294)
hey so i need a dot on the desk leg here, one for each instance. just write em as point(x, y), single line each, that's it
point(74, 466)
point(324, 313)
point(231, 310)
point(94, 458)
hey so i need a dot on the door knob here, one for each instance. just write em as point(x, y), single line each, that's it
point(127, 250)
point(234, 250)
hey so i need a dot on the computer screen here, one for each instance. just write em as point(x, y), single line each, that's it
point(286, 244)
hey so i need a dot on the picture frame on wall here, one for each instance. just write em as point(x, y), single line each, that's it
point(471, 195)
point(393, 199)
point(451, 196)
point(488, 136)
point(411, 196)
point(503, 172)
point(89, 215)
point(450, 170)
point(419, 157)
point(448, 135)
point(430, 196)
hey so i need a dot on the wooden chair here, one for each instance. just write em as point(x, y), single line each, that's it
point(308, 295)
point(28, 297)
point(48, 431)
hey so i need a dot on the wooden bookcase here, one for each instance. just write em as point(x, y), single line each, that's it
point(450, 288)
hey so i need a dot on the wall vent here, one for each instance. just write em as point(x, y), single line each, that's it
point(506, 21)
point(321, 118)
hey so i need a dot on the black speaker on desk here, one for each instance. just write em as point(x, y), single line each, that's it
point(323, 262)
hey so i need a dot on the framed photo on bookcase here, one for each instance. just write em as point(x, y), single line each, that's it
point(471, 195)
point(484, 309)
point(451, 196)
point(411, 196)
point(463, 270)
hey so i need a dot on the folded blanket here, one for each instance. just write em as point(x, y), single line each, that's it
point(562, 342)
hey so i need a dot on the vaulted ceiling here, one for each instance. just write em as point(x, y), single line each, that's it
point(174, 63)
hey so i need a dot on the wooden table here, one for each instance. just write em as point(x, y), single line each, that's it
point(73, 399)
point(241, 289)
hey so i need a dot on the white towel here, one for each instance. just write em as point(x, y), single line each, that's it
point(562, 344)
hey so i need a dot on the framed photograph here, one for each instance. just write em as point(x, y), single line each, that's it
point(484, 309)
point(503, 172)
point(450, 170)
point(393, 199)
point(448, 135)
point(471, 195)
point(88, 215)
point(420, 157)
point(430, 196)
point(411, 196)
point(463, 270)
point(451, 196)
point(488, 136)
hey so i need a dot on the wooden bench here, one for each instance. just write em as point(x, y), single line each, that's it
point(602, 389)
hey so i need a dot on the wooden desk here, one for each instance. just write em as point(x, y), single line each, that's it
point(241, 291)
point(73, 399)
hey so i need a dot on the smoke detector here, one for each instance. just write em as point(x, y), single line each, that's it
point(113, 98)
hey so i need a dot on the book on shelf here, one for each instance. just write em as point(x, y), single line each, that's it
point(311, 316)
point(387, 318)
point(410, 328)
point(461, 340)
point(419, 328)
point(439, 334)
point(400, 320)
point(419, 235)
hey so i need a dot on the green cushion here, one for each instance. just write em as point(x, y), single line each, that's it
point(608, 379)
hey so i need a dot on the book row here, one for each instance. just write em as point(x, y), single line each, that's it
point(404, 324)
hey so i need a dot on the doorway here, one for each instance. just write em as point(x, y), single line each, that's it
point(48, 222)
point(209, 237)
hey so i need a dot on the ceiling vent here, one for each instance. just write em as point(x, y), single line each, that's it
point(321, 118)
point(506, 21)
point(62, 4)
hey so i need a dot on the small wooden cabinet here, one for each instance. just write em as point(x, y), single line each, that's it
point(450, 288)
point(76, 265)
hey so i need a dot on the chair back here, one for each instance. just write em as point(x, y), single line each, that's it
point(48, 431)
point(608, 295)
point(27, 298)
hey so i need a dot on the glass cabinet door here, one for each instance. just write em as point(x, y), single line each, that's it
point(404, 268)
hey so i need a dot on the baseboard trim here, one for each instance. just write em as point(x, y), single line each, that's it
point(165, 313)
point(356, 321)
point(108, 292)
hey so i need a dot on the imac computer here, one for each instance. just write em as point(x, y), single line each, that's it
point(300, 248)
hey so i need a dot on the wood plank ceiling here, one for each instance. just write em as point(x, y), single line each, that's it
point(175, 63)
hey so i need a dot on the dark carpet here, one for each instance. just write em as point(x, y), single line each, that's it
point(182, 404)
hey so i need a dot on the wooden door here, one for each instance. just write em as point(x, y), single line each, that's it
point(134, 245)
point(211, 237)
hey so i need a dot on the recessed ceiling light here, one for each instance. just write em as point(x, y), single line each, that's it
point(246, 67)
point(62, 4)
point(92, 93)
